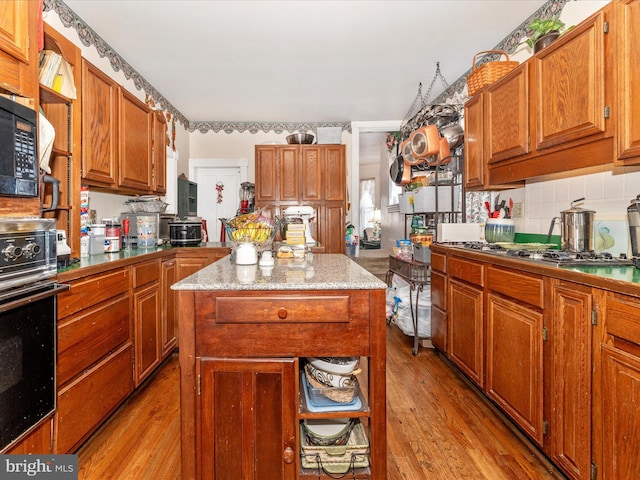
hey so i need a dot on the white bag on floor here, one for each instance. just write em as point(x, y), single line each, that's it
point(399, 309)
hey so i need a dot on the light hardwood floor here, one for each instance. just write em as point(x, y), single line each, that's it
point(438, 428)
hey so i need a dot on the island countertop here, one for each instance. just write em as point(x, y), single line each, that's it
point(315, 272)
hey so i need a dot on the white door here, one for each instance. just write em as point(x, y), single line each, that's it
point(214, 205)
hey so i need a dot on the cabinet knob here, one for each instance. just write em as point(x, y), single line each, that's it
point(282, 313)
point(288, 455)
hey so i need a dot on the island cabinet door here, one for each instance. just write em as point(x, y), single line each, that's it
point(247, 420)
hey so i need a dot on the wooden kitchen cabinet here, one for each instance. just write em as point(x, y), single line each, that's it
point(100, 123)
point(514, 347)
point(95, 355)
point(244, 349)
point(146, 318)
point(549, 115)
point(569, 372)
point(159, 150)
point(19, 47)
point(313, 175)
point(64, 114)
point(466, 317)
point(168, 312)
point(617, 424)
point(627, 25)
point(439, 301)
point(246, 395)
point(136, 162)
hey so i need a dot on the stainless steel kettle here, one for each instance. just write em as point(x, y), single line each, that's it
point(577, 228)
point(633, 215)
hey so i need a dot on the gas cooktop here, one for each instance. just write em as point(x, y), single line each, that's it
point(555, 257)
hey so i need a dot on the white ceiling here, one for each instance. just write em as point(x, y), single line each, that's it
point(299, 60)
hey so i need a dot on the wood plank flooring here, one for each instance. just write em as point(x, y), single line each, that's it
point(438, 428)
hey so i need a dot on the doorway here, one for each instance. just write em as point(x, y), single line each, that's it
point(218, 183)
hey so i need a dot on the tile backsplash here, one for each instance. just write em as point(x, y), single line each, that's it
point(606, 190)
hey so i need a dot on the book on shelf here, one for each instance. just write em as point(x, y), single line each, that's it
point(56, 73)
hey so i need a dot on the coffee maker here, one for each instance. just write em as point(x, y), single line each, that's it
point(633, 215)
point(247, 196)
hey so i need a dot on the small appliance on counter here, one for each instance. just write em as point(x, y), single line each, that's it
point(185, 232)
point(63, 252)
point(155, 224)
point(247, 196)
point(303, 213)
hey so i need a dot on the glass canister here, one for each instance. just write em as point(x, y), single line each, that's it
point(499, 230)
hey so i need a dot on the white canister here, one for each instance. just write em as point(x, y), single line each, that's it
point(246, 254)
point(84, 246)
point(112, 244)
point(98, 229)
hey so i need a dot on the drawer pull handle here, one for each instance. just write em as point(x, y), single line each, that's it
point(282, 313)
point(288, 455)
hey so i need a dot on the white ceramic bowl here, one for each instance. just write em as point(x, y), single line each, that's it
point(328, 431)
point(339, 365)
point(331, 379)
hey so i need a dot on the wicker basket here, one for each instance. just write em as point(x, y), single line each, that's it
point(489, 72)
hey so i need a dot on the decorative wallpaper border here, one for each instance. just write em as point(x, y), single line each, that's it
point(455, 94)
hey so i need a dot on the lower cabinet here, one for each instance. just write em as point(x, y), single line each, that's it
point(247, 395)
point(146, 318)
point(169, 314)
point(95, 355)
point(569, 368)
point(616, 418)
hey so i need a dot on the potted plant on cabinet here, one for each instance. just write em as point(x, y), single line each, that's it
point(543, 32)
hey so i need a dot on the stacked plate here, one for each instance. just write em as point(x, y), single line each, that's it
point(332, 377)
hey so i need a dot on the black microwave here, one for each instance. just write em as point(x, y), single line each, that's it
point(18, 150)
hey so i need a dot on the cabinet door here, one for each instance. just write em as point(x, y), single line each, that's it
point(332, 231)
point(147, 333)
point(312, 168)
point(570, 371)
point(335, 177)
point(100, 150)
point(507, 116)
point(18, 62)
point(474, 167)
point(438, 311)
point(169, 322)
point(159, 153)
point(514, 362)
point(621, 426)
point(288, 173)
point(628, 44)
point(466, 333)
point(569, 87)
point(14, 29)
point(246, 413)
point(135, 144)
point(266, 174)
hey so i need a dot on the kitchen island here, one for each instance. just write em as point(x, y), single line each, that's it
point(243, 330)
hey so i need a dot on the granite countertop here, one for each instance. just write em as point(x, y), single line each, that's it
point(315, 272)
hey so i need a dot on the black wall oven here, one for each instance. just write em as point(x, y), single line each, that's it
point(28, 313)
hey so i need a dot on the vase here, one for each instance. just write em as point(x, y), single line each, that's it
point(545, 40)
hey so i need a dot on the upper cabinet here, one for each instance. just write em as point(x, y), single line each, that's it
point(159, 152)
point(627, 22)
point(135, 170)
point(313, 175)
point(100, 154)
point(551, 114)
point(124, 141)
point(18, 47)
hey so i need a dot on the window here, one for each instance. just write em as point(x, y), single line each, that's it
point(367, 202)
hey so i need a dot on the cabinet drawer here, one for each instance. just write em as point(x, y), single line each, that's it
point(516, 285)
point(466, 270)
point(91, 291)
point(293, 324)
point(623, 318)
point(87, 337)
point(145, 272)
point(439, 290)
point(84, 404)
point(438, 262)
